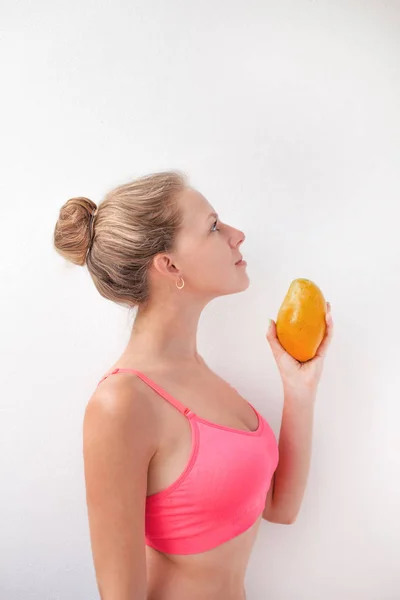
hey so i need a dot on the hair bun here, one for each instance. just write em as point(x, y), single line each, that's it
point(74, 229)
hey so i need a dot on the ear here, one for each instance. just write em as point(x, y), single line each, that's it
point(164, 265)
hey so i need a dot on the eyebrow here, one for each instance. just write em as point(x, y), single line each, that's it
point(212, 215)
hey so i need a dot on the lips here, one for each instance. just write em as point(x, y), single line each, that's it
point(238, 261)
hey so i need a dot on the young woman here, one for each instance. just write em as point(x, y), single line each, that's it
point(179, 468)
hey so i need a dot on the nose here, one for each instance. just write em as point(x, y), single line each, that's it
point(238, 238)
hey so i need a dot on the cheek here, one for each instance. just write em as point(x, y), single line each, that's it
point(202, 266)
point(205, 261)
point(213, 269)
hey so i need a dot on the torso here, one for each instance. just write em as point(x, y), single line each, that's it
point(218, 573)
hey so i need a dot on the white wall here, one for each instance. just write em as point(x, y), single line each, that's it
point(285, 115)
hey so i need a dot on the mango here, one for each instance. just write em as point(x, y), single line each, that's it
point(300, 324)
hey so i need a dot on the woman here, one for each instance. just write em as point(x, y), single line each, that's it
point(179, 468)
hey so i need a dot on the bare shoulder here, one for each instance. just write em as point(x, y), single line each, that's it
point(121, 399)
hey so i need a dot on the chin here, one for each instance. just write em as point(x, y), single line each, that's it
point(245, 285)
point(243, 279)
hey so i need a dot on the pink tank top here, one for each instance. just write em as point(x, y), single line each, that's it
point(222, 489)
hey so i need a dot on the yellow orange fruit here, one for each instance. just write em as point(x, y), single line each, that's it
point(301, 325)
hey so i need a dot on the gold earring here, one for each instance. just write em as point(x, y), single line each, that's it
point(180, 287)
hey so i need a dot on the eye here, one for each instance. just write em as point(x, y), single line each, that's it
point(212, 229)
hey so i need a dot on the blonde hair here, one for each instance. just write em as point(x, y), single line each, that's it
point(118, 240)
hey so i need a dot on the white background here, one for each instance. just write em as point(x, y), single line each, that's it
point(285, 115)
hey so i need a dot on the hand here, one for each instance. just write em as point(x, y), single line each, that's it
point(296, 376)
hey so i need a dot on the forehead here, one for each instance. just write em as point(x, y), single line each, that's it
point(195, 208)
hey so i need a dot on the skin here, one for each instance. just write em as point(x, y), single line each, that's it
point(163, 345)
point(205, 258)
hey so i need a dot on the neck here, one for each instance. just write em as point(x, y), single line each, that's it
point(165, 334)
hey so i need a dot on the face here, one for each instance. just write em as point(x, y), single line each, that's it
point(207, 249)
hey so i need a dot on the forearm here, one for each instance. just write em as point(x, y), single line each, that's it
point(295, 445)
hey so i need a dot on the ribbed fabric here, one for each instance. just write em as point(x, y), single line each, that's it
point(221, 491)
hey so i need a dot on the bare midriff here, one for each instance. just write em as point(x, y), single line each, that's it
point(217, 574)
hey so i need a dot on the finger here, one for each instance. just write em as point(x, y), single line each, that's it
point(323, 347)
point(280, 354)
point(272, 338)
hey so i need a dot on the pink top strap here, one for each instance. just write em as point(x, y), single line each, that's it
point(178, 405)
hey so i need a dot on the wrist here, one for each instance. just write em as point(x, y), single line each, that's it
point(299, 394)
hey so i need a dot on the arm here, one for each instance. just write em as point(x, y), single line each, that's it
point(118, 443)
point(300, 383)
point(290, 478)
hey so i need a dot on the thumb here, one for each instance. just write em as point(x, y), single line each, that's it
point(276, 347)
point(270, 330)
